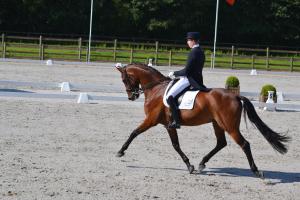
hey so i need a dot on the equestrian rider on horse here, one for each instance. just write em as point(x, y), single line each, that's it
point(191, 75)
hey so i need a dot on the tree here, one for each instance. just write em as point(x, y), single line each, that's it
point(247, 21)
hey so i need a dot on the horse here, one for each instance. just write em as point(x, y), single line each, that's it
point(218, 106)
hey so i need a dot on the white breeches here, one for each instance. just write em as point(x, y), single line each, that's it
point(178, 87)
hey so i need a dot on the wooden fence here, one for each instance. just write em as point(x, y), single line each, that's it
point(43, 48)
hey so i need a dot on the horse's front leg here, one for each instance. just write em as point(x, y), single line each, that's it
point(175, 142)
point(140, 129)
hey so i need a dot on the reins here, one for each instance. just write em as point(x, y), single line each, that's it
point(141, 90)
point(152, 84)
point(148, 86)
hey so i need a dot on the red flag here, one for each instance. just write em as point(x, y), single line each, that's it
point(230, 2)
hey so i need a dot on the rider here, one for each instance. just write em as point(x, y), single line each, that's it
point(191, 75)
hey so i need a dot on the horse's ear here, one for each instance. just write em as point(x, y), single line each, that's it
point(120, 67)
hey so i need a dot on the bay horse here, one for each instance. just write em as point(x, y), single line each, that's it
point(218, 106)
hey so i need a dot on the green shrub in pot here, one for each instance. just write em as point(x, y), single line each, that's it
point(232, 84)
point(264, 93)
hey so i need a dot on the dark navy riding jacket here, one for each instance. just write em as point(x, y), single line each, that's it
point(193, 68)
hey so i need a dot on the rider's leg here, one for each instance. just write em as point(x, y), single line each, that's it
point(175, 113)
point(178, 87)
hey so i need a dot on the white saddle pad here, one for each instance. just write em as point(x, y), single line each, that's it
point(188, 99)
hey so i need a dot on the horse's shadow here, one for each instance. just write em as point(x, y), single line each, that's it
point(14, 90)
point(274, 176)
point(277, 176)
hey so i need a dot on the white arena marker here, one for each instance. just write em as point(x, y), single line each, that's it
point(253, 72)
point(83, 98)
point(270, 105)
point(65, 87)
point(280, 98)
point(150, 62)
point(49, 62)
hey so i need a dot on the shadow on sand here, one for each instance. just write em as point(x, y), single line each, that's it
point(14, 90)
point(276, 176)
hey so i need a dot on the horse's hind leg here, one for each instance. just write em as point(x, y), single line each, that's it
point(221, 143)
point(244, 144)
point(175, 142)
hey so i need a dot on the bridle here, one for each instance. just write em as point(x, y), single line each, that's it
point(136, 91)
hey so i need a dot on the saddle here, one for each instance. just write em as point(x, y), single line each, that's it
point(184, 99)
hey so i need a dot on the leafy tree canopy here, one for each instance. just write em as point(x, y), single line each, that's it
point(247, 21)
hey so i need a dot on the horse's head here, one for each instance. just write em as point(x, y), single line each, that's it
point(130, 81)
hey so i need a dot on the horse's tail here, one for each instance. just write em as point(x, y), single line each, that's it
point(275, 139)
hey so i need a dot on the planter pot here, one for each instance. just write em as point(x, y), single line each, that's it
point(234, 90)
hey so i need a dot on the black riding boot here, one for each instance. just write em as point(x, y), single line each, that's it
point(175, 113)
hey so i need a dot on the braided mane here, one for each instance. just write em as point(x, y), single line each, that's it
point(148, 68)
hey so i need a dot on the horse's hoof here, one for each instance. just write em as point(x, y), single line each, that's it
point(191, 168)
point(120, 154)
point(201, 168)
point(259, 174)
